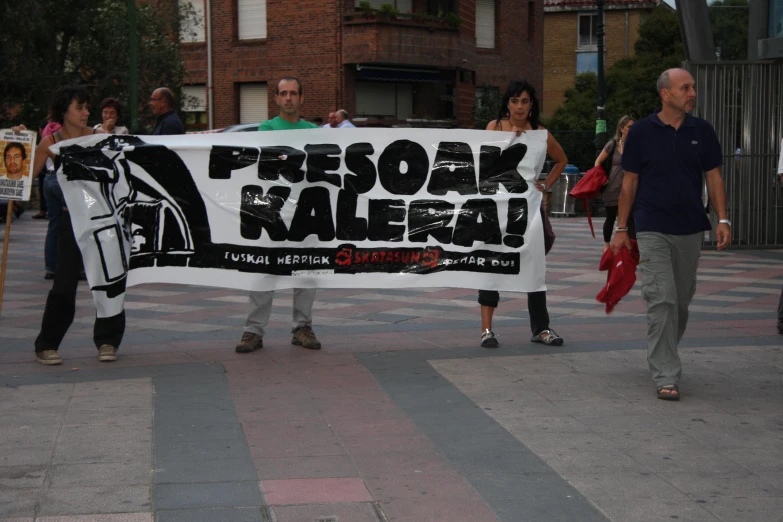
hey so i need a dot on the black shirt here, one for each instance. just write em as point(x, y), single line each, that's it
point(169, 123)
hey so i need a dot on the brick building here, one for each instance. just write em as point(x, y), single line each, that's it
point(420, 64)
point(571, 44)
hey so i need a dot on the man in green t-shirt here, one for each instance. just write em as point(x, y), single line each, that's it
point(289, 99)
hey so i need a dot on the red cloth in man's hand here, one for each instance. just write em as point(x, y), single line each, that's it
point(621, 276)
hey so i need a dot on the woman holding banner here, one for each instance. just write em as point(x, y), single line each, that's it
point(519, 112)
point(69, 108)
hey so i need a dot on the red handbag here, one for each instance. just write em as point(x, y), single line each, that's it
point(589, 187)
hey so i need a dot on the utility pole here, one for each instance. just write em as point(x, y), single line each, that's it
point(600, 123)
point(133, 77)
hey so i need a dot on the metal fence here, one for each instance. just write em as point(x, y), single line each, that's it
point(744, 102)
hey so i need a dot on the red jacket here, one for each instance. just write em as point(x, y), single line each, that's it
point(589, 187)
point(621, 276)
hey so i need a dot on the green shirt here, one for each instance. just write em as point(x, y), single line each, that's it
point(279, 123)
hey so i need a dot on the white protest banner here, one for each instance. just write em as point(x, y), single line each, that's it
point(341, 208)
point(16, 169)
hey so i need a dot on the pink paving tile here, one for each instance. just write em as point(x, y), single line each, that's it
point(314, 491)
point(329, 466)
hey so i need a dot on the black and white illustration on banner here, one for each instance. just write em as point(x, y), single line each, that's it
point(373, 208)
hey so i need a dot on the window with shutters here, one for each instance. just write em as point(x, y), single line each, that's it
point(251, 16)
point(253, 103)
point(485, 24)
point(191, 21)
point(194, 108)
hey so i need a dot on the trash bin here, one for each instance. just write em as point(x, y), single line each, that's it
point(562, 204)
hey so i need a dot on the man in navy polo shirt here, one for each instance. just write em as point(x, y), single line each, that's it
point(666, 158)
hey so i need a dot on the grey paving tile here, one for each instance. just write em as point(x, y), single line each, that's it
point(744, 509)
point(698, 461)
point(203, 450)
point(87, 452)
point(167, 432)
point(605, 461)
point(24, 415)
point(654, 510)
point(756, 459)
point(29, 435)
point(110, 388)
point(625, 485)
point(135, 471)
point(359, 512)
point(26, 455)
point(18, 502)
point(22, 477)
point(127, 417)
point(110, 403)
point(207, 495)
point(240, 514)
point(730, 485)
point(90, 500)
point(104, 435)
point(218, 470)
point(115, 517)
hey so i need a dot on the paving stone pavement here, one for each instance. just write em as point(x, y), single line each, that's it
point(401, 416)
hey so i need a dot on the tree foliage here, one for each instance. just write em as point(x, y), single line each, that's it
point(630, 88)
point(45, 44)
point(729, 21)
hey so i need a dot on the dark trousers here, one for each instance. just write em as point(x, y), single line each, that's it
point(611, 217)
point(536, 307)
point(41, 197)
point(61, 301)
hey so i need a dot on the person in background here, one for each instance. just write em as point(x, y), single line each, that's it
point(519, 112)
point(289, 99)
point(162, 105)
point(331, 121)
point(614, 176)
point(48, 127)
point(69, 108)
point(110, 113)
point(343, 121)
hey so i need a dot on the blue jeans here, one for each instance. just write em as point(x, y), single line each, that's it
point(55, 202)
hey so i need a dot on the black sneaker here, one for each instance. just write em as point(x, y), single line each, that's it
point(488, 339)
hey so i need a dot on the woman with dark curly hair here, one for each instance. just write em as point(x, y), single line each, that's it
point(519, 112)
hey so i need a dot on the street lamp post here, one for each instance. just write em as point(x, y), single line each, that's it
point(600, 123)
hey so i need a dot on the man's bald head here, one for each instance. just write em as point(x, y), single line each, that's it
point(677, 90)
point(677, 75)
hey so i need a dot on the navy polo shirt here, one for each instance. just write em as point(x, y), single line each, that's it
point(671, 164)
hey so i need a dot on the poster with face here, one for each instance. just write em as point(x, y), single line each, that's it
point(16, 167)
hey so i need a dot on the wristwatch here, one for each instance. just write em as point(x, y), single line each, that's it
point(725, 222)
